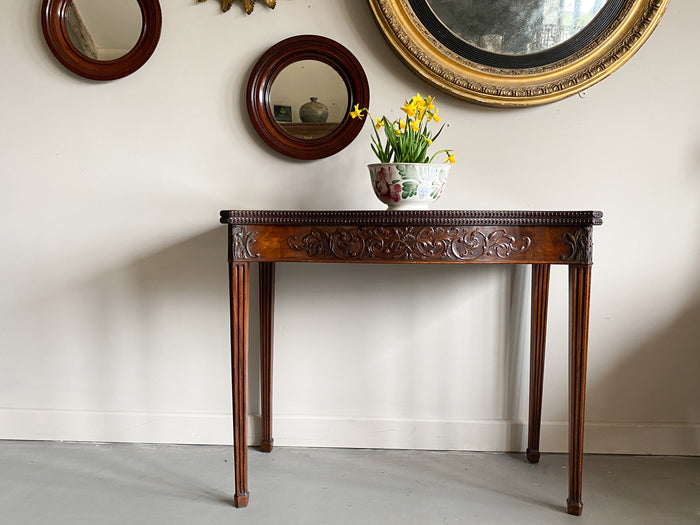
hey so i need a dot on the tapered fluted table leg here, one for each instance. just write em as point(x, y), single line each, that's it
point(538, 334)
point(267, 302)
point(238, 294)
point(579, 297)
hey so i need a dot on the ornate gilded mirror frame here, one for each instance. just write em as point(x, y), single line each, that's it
point(440, 58)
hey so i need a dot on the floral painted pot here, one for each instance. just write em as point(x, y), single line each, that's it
point(406, 186)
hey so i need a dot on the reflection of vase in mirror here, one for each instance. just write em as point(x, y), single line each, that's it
point(515, 27)
point(313, 111)
point(294, 83)
point(104, 29)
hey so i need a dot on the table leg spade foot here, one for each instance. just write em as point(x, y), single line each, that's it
point(575, 508)
point(533, 456)
point(240, 500)
point(266, 445)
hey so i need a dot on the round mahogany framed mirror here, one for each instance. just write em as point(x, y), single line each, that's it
point(101, 39)
point(300, 93)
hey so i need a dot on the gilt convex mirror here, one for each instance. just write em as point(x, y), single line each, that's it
point(300, 93)
point(515, 52)
point(101, 39)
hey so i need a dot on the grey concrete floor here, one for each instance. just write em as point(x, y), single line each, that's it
point(86, 483)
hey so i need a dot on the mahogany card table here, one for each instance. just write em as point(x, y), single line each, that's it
point(538, 238)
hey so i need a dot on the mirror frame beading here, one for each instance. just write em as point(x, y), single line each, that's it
point(475, 82)
point(285, 53)
point(53, 25)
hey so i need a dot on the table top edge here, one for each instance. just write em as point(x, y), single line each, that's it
point(414, 217)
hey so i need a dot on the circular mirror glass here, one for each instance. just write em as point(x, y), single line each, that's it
point(515, 27)
point(104, 29)
point(309, 99)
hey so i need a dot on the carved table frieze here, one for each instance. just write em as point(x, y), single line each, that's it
point(409, 243)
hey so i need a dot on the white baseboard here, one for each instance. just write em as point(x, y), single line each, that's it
point(119, 426)
point(486, 435)
point(475, 435)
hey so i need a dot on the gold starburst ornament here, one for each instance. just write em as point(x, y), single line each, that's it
point(248, 5)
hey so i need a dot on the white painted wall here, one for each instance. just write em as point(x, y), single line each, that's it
point(113, 290)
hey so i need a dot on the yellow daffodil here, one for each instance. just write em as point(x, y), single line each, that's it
point(420, 103)
point(411, 146)
point(409, 109)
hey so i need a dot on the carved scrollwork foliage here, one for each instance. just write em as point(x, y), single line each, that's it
point(419, 243)
point(242, 241)
point(580, 244)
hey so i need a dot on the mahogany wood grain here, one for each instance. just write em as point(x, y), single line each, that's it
point(267, 302)
point(239, 299)
point(538, 335)
point(539, 238)
point(579, 297)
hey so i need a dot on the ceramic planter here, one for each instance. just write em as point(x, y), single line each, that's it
point(407, 186)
